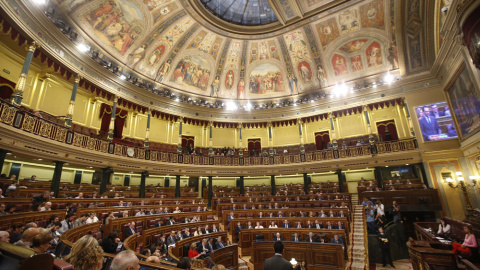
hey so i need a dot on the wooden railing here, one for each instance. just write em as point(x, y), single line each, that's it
point(19, 118)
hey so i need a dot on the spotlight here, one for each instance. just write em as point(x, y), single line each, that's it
point(115, 69)
point(122, 77)
point(83, 48)
point(50, 12)
point(388, 78)
point(177, 99)
point(248, 107)
point(341, 90)
point(231, 106)
point(135, 80)
point(40, 2)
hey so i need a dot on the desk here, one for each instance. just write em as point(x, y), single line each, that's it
point(318, 256)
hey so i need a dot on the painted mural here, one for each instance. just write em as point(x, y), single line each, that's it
point(353, 46)
point(327, 31)
point(197, 40)
point(193, 71)
point(374, 55)
point(371, 15)
point(233, 57)
point(339, 65)
point(116, 23)
point(356, 62)
point(265, 79)
point(305, 71)
point(348, 21)
point(465, 100)
point(263, 50)
point(297, 46)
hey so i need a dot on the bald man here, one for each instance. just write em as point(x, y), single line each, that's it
point(4, 236)
point(27, 237)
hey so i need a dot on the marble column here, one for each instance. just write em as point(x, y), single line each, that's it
point(240, 143)
point(180, 129)
point(20, 86)
point(71, 105)
point(105, 178)
point(57, 176)
point(210, 191)
point(210, 139)
point(177, 186)
point(146, 143)
point(143, 179)
point(112, 119)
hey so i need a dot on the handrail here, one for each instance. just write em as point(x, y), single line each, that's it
point(27, 122)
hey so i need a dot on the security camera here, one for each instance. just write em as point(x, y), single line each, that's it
point(444, 10)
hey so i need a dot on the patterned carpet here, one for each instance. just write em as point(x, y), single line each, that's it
point(400, 264)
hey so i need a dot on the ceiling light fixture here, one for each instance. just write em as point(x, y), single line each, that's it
point(231, 106)
point(388, 78)
point(83, 47)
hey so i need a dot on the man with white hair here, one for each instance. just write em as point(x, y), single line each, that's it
point(47, 207)
point(125, 260)
point(4, 236)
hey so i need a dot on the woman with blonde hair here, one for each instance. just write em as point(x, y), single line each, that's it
point(86, 254)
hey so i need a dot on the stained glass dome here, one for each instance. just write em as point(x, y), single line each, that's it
point(242, 12)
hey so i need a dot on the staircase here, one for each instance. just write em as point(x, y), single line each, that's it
point(242, 265)
point(359, 249)
point(354, 198)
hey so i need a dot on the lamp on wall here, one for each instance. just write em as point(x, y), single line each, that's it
point(293, 262)
point(463, 186)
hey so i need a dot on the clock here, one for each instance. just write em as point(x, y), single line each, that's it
point(130, 151)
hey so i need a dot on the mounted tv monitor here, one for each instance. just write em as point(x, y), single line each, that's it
point(435, 121)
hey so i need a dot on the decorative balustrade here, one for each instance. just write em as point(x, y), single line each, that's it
point(19, 118)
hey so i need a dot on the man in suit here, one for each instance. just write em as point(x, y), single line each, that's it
point(280, 214)
point(296, 237)
point(340, 226)
point(203, 247)
point(244, 207)
point(238, 228)
point(341, 214)
point(186, 233)
point(301, 214)
point(428, 124)
point(171, 239)
point(219, 244)
point(299, 225)
point(130, 230)
point(317, 224)
point(286, 225)
point(157, 224)
point(329, 226)
point(310, 238)
point(435, 112)
point(385, 247)
point(171, 221)
point(214, 228)
point(234, 207)
point(179, 236)
point(260, 215)
point(337, 240)
point(206, 230)
point(277, 237)
point(277, 262)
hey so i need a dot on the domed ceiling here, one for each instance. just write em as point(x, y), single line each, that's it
point(173, 44)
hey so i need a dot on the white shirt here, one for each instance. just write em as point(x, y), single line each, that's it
point(443, 230)
point(380, 209)
point(90, 220)
point(259, 227)
point(45, 209)
point(272, 227)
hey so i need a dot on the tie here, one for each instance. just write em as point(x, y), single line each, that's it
point(133, 232)
point(428, 120)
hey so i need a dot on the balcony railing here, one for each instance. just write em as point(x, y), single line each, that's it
point(19, 118)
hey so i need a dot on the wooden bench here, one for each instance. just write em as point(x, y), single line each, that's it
point(318, 256)
point(248, 236)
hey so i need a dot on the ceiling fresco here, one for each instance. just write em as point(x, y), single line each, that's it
point(162, 43)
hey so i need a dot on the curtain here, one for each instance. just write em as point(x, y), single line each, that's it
point(254, 144)
point(322, 139)
point(6, 88)
point(187, 141)
point(120, 117)
point(387, 131)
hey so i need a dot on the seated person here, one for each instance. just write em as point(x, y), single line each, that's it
point(470, 242)
point(443, 227)
point(337, 240)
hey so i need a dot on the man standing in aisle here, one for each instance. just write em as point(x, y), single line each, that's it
point(385, 247)
point(277, 262)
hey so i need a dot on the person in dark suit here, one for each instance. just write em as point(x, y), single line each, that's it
point(317, 224)
point(340, 226)
point(286, 225)
point(214, 228)
point(277, 237)
point(203, 247)
point(110, 243)
point(171, 239)
point(435, 112)
point(385, 247)
point(157, 224)
point(171, 221)
point(277, 262)
point(238, 228)
point(428, 124)
point(337, 240)
point(329, 226)
point(296, 237)
point(219, 244)
point(130, 230)
point(310, 238)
